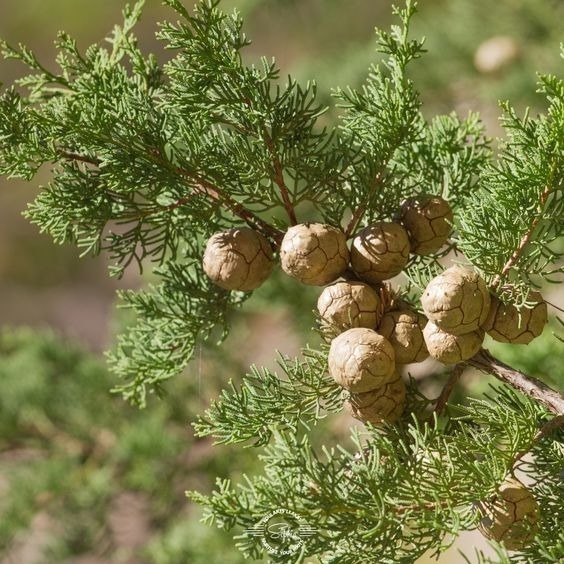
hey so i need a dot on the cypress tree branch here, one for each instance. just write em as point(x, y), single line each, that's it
point(69, 155)
point(545, 430)
point(528, 385)
point(205, 188)
point(360, 210)
point(528, 235)
point(215, 193)
point(279, 179)
point(447, 389)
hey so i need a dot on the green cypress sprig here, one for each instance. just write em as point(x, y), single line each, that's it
point(398, 494)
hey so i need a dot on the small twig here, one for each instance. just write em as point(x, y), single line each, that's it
point(448, 389)
point(361, 209)
point(528, 385)
point(545, 430)
point(205, 187)
point(279, 179)
point(514, 258)
point(558, 308)
point(69, 155)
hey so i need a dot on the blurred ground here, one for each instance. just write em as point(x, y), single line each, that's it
point(330, 40)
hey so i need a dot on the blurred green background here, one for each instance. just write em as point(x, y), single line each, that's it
point(85, 478)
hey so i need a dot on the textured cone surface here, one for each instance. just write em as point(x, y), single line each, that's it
point(457, 300)
point(349, 304)
point(512, 517)
point(385, 403)
point(404, 329)
point(314, 253)
point(450, 349)
point(361, 360)
point(428, 221)
point(380, 251)
point(238, 259)
point(507, 324)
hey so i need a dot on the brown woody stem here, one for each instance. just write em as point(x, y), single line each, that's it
point(279, 179)
point(448, 388)
point(70, 156)
point(213, 192)
point(528, 385)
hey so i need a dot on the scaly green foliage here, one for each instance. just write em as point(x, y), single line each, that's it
point(400, 491)
point(522, 199)
point(266, 402)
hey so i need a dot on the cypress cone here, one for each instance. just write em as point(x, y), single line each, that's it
point(404, 329)
point(451, 349)
point(349, 304)
point(457, 300)
point(380, 251)
point(385, 403)
point(238, 259)
point(511, 518)
point(507, 324)
point(361, 360)
point(314, 253)
point(428, 221)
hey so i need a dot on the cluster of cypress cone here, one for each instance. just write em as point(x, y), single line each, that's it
point(374, 341)
point(374, 335)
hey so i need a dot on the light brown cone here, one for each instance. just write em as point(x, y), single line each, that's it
point(361, 360)
point(428, 221)
point(450, 349)
point(385, 403)
point(238, 259)
point(314, 253)
point(512, 517)
point(380, 251)
point(507, 324)
point(349, 304)
point(404, 329)
point(458, 300)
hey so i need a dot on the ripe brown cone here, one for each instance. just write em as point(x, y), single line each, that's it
point(404, 329)
point(238, 259)
point(380, 251)
point(314, 253)
point(507, 324)
point(428, 221)
point(450, 349)
point(349, 304)
point(385, 403)
point(512, 517)
point(457, 300)
point(361, 360)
